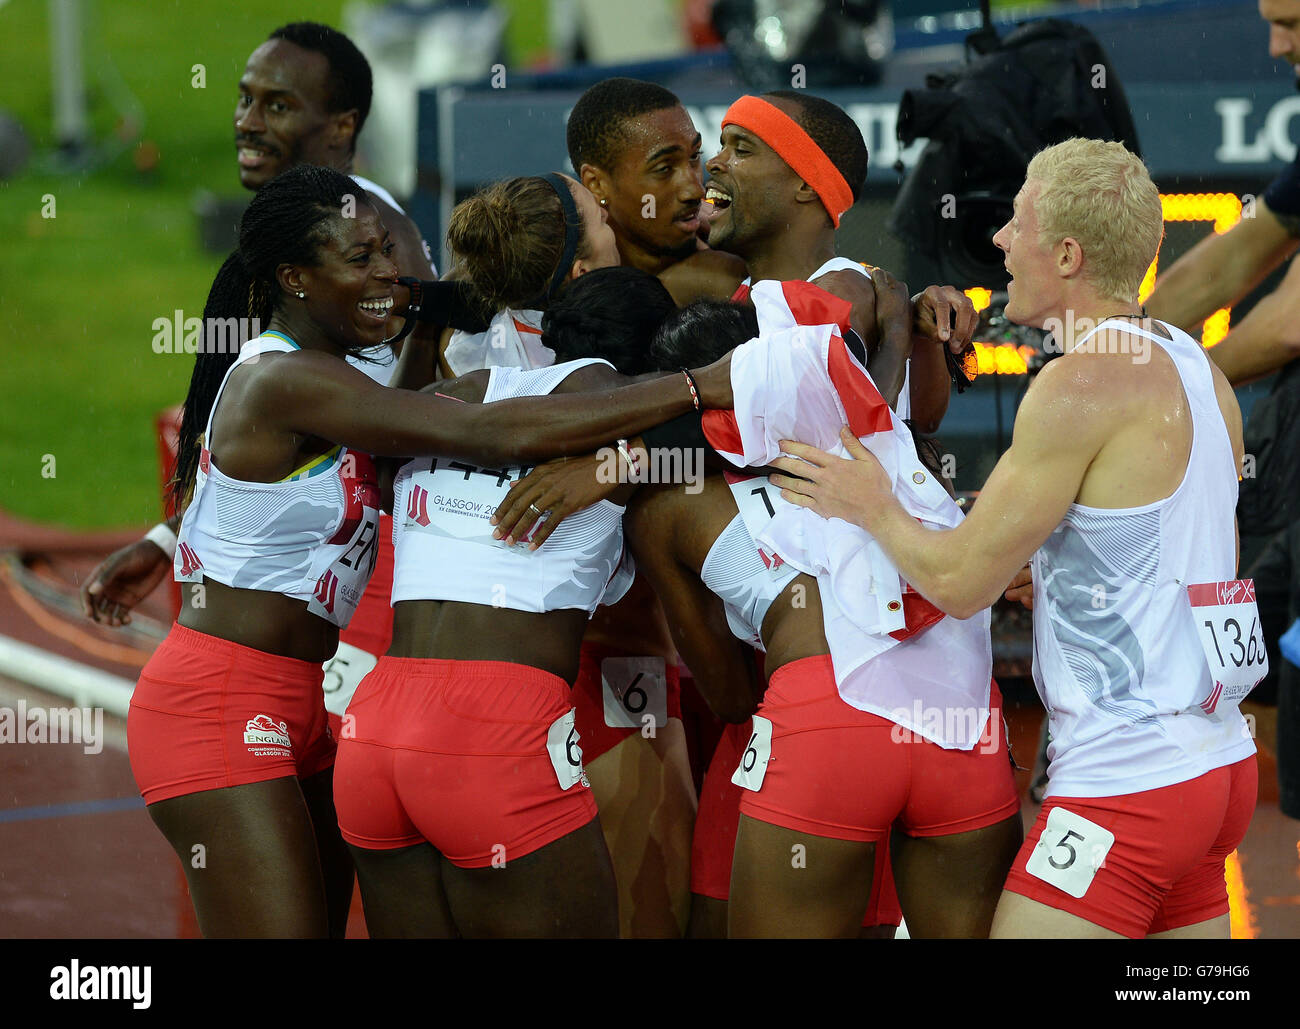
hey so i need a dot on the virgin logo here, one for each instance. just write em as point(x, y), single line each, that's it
point(1240, 591)
point(417, 509)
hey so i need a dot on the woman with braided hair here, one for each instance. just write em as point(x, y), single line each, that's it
point(227, 731)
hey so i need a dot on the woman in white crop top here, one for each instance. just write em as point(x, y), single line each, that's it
point(464, 736)
point(504, 248)
point(227, 725)
point(819, 776)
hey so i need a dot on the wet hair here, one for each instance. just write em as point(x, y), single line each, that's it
point(611, 313)
point(835, 132)
point(349, 79)
point(288, 221)
point(701, 333)
point(594, 133)
point(1101, 194)
point(509, 238)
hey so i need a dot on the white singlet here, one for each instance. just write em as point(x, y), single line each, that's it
point(734, 570)
point(513, 340)
point(445, 549)
point(1117, 660)
point(311, 536)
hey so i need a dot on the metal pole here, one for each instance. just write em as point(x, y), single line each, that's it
point(70, 132)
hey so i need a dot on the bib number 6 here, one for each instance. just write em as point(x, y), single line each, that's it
point(565, 752)
point(632, 688)
point(758, 752)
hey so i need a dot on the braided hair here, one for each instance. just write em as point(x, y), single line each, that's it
point(287, 223)
point(610, 313)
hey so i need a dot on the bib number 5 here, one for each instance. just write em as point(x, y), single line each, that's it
point(1069, 852)
point(343, 674)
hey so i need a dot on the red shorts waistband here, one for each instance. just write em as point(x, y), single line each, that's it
point(446, 668)
point(260, 662)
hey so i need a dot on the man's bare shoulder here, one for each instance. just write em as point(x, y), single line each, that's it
point(704, 275)
point(1078, 399)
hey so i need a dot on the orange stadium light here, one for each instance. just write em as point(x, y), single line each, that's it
point(1241, 916)
point(1223, 209)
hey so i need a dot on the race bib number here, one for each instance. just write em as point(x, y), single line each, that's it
point(566, 755)
point(343, 674)
point(758, 501)
point(634, 687)
point(1227, 623)
point(753, 762)
point(1069, 852)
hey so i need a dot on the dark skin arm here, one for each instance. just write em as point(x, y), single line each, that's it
point(882, 316)
point(704, 275)
point(293, 397)
point(943, 316)
point(723, 666)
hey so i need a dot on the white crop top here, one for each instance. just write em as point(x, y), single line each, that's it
point(443, 538)
point(311, 536)
point(736, 572)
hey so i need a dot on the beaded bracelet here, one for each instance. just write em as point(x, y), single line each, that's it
point(690, 384)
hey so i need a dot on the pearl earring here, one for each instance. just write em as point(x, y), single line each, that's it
point(302, 295)
point(604, 202)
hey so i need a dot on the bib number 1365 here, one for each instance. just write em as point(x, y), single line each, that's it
point(1227, 622)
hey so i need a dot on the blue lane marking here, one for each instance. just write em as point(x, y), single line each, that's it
point(85, 807)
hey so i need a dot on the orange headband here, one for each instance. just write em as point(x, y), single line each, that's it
point(796, 148)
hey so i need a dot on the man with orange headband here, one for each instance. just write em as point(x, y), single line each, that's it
point(791, 165)
point(631, 140)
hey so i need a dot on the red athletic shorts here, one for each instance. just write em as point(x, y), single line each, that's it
point(846, 774)
point(717, 821)
point(464, 755)
point(208, 713)
point(371, 628)
point(614, 691)
point(1165, 868)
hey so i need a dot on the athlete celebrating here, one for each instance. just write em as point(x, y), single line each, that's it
point(836, 755)
point(227, 731)
point(460, 783)
point(1121, 485)
point(303, 99)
